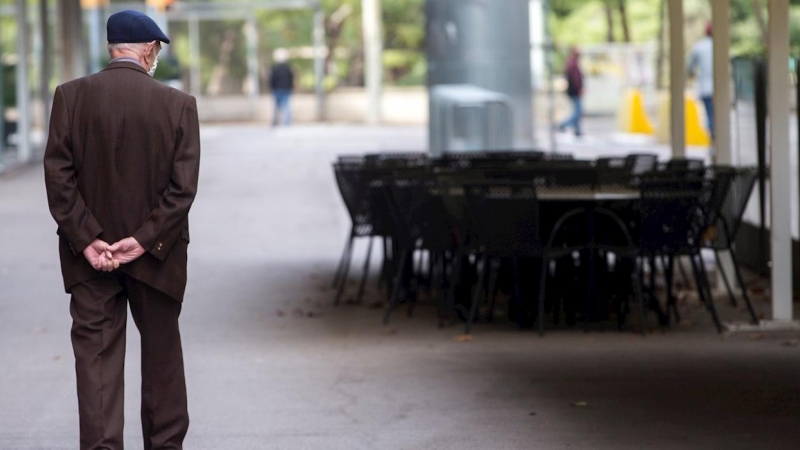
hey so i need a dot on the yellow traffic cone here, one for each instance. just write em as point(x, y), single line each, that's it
point(632, 115)
point(696, 134)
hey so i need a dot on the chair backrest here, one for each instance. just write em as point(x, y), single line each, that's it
point(559, 157)
point(671, 216)
point(505, 218)
point(420, 211)
point(641, 163)
point(683, 164)
point(613, 171)
point(397, 160)
point(353, 186)
point(735, 202)
point(352, 159)
point(718, 182)
point(488, 160)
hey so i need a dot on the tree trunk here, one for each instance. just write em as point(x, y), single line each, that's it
point(333, 31)
point(762, 22)
point(660, 51)
point(220, 71)
point(609, 21)
point(623, 19)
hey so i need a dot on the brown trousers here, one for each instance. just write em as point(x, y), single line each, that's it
point(99, 314)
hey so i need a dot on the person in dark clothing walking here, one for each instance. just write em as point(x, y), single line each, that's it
point(281, 82)
point(574, 77)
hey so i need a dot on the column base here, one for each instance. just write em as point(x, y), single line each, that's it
point(763, 326)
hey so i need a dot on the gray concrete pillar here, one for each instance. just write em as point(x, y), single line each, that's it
point(251, 36)
point(722, 83)
point(373, 51)
point(46, 63)
point(194, 56)
point(23, 88)
point(319, 61)
point(677, 83)
point(780, 160)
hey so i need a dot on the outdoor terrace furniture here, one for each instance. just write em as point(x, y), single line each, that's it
point(466, 223)
point(354, 175)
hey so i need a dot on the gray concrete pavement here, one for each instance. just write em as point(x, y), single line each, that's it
point(272, 365)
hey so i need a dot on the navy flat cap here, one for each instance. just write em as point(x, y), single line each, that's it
point(130, 27)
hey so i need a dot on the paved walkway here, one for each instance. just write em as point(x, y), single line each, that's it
point(271, 365)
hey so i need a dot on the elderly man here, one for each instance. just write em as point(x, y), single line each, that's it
point(121, 169)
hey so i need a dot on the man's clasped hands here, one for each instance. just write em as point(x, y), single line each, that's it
point(107, 258)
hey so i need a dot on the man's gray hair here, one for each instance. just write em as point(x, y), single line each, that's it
point(136, 47)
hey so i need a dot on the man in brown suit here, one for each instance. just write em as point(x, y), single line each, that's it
point(121, 169)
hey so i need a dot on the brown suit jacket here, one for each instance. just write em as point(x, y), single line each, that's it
point(122, 160)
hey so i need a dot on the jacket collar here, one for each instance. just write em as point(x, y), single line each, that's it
point(125, 65)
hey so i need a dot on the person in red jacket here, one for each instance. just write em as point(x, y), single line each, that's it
point(574, 77)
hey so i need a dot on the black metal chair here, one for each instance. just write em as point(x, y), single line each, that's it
point(506, 222)
point(414, 204)
point(722, 233)
point(352, 179)
point(672, 221)
point(354, 176)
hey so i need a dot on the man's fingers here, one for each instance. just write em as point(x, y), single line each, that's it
point(116, 264)
point(114, 247)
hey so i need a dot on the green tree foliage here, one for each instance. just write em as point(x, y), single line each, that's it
point(403, 31)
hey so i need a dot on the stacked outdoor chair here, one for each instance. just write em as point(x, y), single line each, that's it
point(505, 218)
point(419, 223)
point(469, 225)
point(723, 232)
point(677, 208)
point(355, 177)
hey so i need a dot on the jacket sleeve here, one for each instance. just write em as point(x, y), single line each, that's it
point(159, 232)
point(75, 222)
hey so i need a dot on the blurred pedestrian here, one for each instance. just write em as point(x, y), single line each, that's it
point(121, 166)
point(574, 76)
point(281, 82)
point(701, 66)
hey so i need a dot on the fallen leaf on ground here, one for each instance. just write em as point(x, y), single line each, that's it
point(532, 414)
point(791, 343)
point(280, 313)
point(580, 404)
point(463, 338)
point(56, 358)
point(756, 336)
